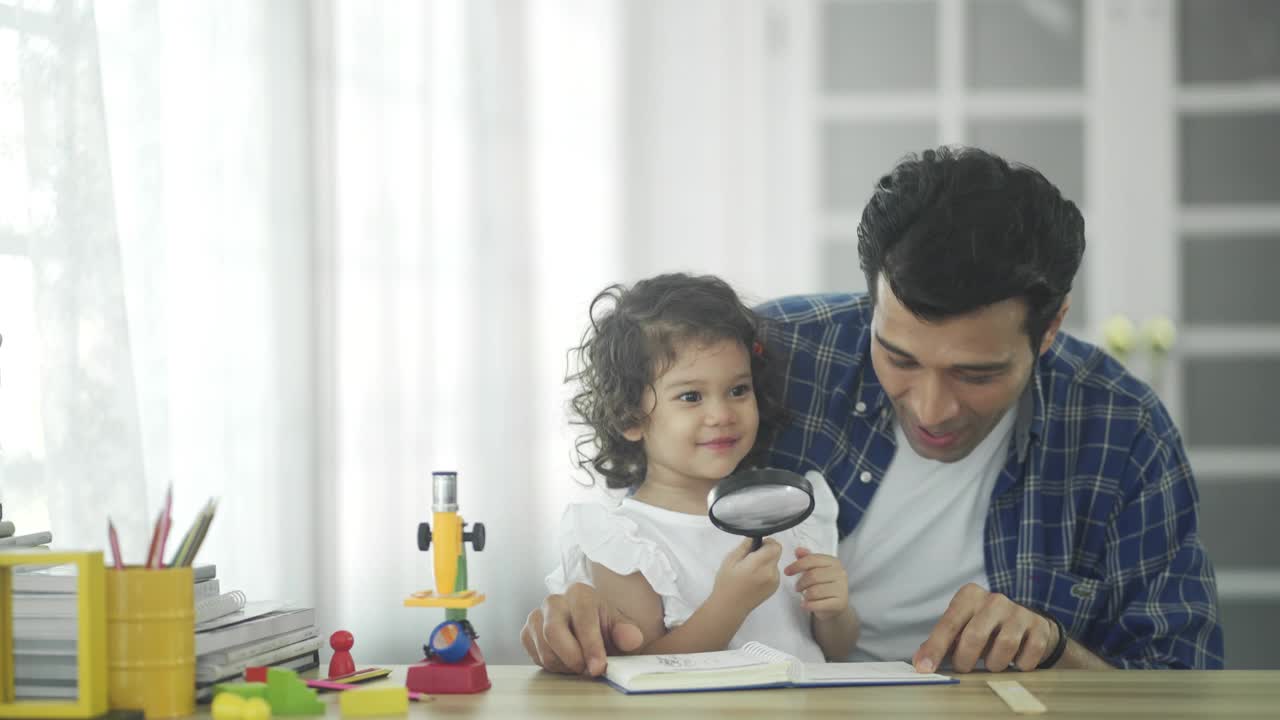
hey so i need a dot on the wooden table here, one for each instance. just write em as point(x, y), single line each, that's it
point(524, 692)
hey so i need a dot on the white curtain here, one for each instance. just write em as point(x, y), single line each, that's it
point(451, 287)
point(70, 434)
point(207, 118)
point(328, 242)
point(297, 255)
point(467, 168)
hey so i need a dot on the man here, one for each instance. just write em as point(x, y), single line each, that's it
point(1033, 504)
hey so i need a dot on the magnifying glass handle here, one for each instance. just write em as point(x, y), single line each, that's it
point(756, 543)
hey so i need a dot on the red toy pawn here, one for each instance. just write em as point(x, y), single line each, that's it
point(341, 663)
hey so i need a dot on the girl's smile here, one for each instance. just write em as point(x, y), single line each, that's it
point(720, 444)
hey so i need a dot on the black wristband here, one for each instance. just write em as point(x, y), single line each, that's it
point(1061, 647)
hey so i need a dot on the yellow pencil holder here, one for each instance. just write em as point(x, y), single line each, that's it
point(151, 643)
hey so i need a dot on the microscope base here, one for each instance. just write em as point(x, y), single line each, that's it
point(432, 676)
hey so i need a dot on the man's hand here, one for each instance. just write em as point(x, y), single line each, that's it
point(823, 583)
point(573, 632)
point(982, 625)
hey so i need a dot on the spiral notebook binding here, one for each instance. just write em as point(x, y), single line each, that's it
point(222, 605)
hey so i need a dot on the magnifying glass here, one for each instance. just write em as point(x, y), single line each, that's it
point(760, 502)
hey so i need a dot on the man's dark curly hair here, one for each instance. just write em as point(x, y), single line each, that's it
point(633, 338)
point(955, 230)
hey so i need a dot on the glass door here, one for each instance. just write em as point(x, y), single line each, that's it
point(895, 76)
point(1161, 119)
point(1227, 109)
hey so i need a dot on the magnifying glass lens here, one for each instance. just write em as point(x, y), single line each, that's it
point(760, 502)
point(761, 508)
point(446, 637)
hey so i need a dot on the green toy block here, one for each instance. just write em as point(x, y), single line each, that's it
point(245, 690)
point(288, 695)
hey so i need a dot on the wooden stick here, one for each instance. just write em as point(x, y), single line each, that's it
point(1019, 699)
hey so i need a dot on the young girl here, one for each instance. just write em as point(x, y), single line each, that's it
point(676, 391)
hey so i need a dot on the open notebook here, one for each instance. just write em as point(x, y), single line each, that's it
point(752, 666)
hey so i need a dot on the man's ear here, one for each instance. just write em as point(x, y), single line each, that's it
point(1055, 325)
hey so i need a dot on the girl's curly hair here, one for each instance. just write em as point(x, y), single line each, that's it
point(632, 340)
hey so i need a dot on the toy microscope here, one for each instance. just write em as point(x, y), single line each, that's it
point(453, 662)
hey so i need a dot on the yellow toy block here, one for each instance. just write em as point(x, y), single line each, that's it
point(227, 706)
point(230, 706)
point(374, 701)
point(256, 708)
point(91, 637)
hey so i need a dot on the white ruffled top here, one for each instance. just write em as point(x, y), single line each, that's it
point(679, 555)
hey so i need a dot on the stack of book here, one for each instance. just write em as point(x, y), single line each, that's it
point(45, 627)
point(9, 536)
point(230, 633)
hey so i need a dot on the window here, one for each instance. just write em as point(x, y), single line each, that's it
point(21, 432)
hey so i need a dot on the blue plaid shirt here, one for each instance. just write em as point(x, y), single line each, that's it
point(1093, 517)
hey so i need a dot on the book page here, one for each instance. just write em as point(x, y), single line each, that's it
point(868, 672)
point(768, 654)
point(627, 667)
point(218, 607)
point(248, 612)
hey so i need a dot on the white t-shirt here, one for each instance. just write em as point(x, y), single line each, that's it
point(919, 542)
point(679, 555)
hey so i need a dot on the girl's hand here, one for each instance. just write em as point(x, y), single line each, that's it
point(823, 583)
point(750, 577)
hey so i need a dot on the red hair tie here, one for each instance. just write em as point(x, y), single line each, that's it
point(757, 349)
